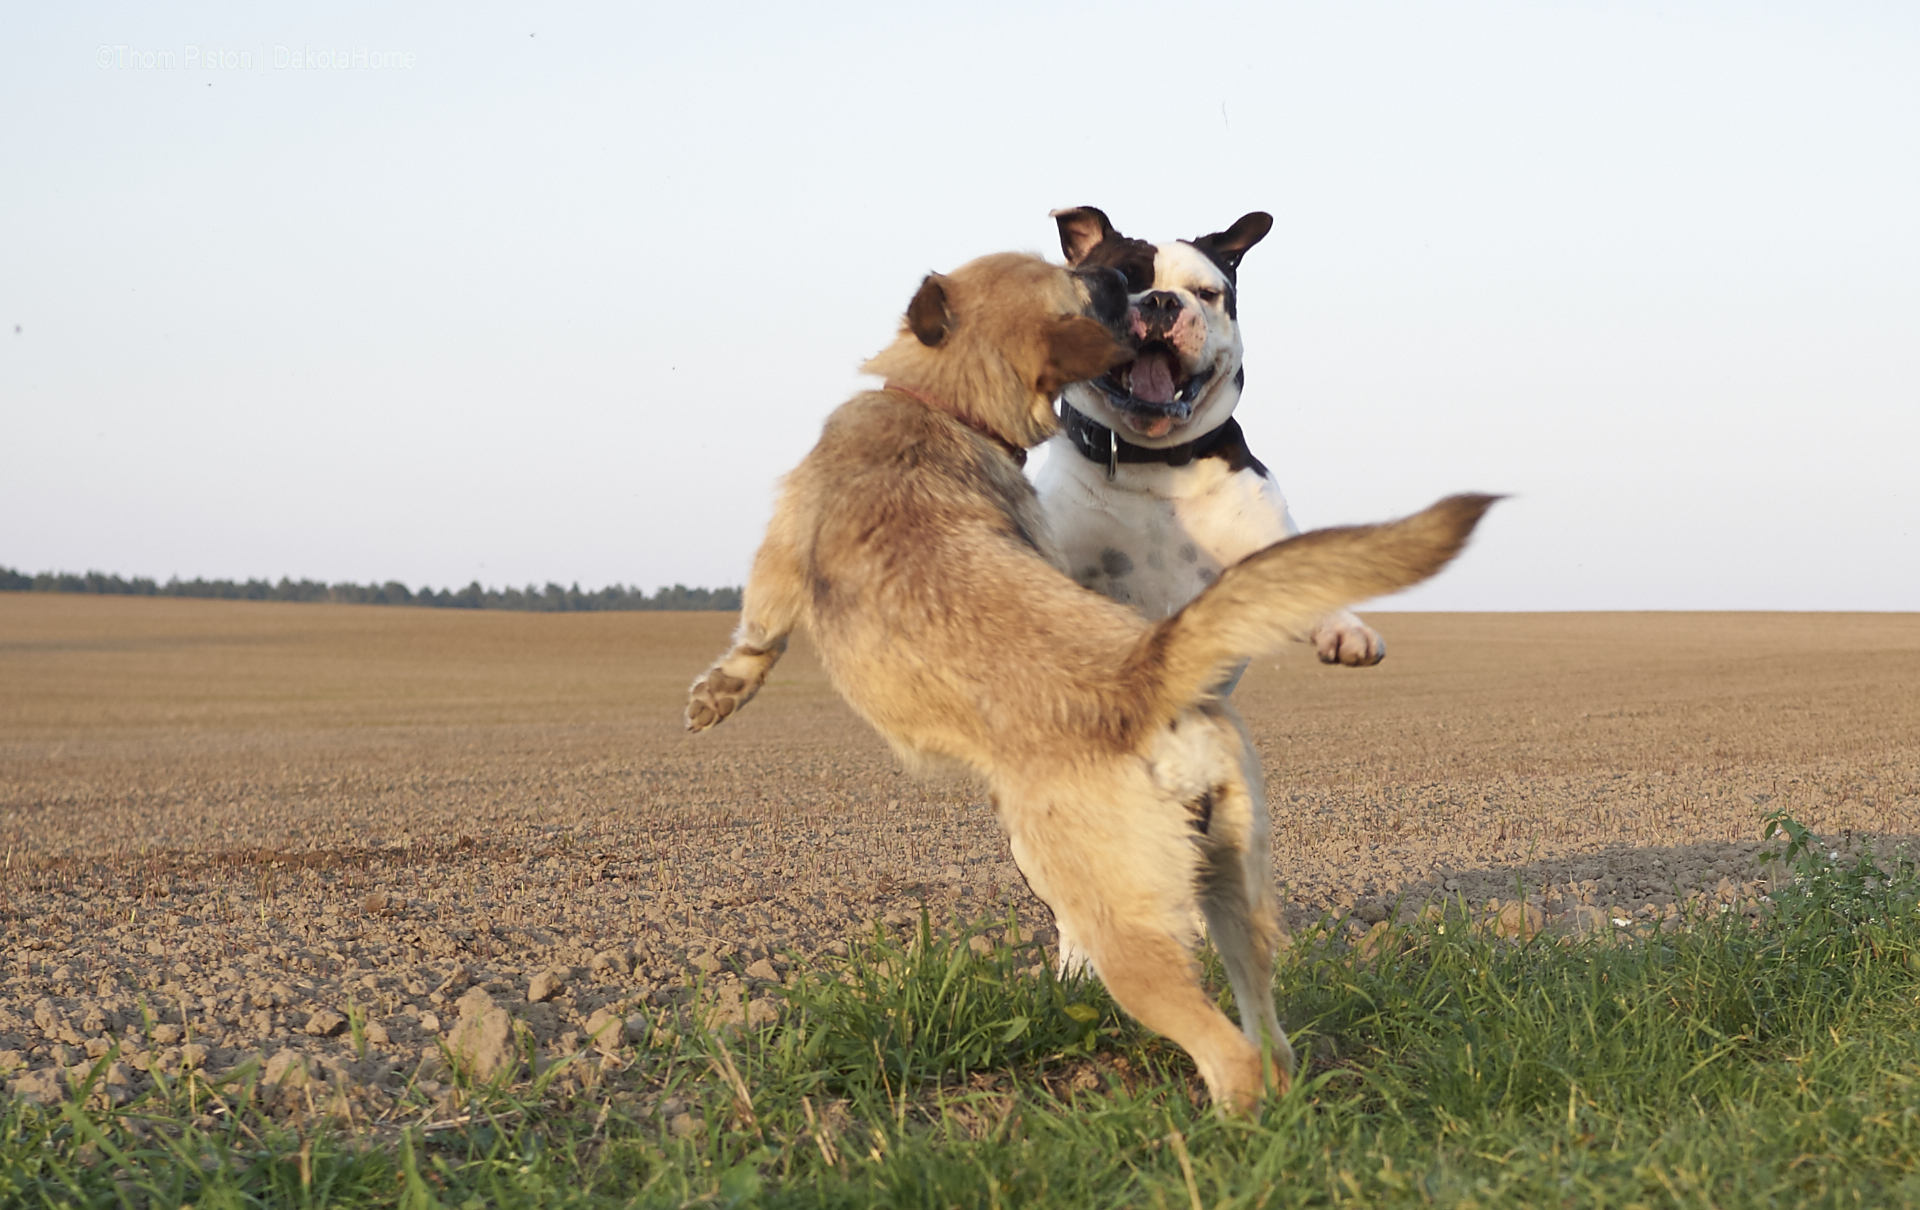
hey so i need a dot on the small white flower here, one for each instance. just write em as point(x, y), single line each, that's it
point(1621, 922)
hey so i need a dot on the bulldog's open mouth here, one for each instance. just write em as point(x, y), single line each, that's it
point(1149, 393)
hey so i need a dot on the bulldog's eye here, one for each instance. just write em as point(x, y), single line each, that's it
point(1207, 296)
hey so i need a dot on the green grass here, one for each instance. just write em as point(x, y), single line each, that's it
point(1727, 1064)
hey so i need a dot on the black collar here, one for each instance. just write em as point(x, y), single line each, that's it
point(1099, 444)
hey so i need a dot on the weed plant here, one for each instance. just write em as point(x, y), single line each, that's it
point(1727, 1063)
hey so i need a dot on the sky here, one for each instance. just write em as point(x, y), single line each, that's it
point(531, 293)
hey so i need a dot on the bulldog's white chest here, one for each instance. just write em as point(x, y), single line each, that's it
point(1155, 535)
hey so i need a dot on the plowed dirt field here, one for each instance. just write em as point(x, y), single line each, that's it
point(237, 829)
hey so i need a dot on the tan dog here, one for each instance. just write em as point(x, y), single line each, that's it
point(909, 543)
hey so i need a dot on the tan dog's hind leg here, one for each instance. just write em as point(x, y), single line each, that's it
point(770, 609)
point(1117, 862)
point(1152, 976)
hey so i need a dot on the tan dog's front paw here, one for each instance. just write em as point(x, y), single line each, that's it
point(1342, 638)
point(730, 683)
point(712, 698)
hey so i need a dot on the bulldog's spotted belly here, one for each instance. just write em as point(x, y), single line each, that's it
point(1157, 535)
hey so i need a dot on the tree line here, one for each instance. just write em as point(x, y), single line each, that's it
point(551, 599)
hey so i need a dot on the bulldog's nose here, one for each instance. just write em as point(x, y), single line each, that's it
point(1158, 309)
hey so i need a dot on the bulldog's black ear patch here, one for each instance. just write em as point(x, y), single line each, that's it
point(1225, 248)
point(927, 313)
point(1082, 229)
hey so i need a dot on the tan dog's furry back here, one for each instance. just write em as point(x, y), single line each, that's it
point(910, 544)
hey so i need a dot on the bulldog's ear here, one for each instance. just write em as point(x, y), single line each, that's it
point(927, 314)
point(1225, 248)
point(1082, 229)
point(1078, 348)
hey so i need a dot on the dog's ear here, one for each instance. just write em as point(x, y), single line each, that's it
point(1225, 248)
point(927, 314)
point(1078, 348)
point(1082, 229)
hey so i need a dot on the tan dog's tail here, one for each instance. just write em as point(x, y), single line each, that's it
point(1274, 595)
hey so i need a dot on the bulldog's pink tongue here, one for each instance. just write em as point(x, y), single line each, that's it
point(1153, 378)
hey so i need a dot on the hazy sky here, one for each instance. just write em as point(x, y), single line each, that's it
point(555, 293)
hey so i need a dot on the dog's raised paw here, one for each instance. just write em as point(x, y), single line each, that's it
point(712, 698)
point(1345, 639)
point(729, 684)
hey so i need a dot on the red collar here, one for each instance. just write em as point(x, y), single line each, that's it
point(1018, 455)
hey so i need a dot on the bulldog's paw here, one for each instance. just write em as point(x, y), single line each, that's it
point(1342, 638)
point(713, 697)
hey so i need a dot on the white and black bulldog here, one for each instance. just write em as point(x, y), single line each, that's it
point(1149, 489)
